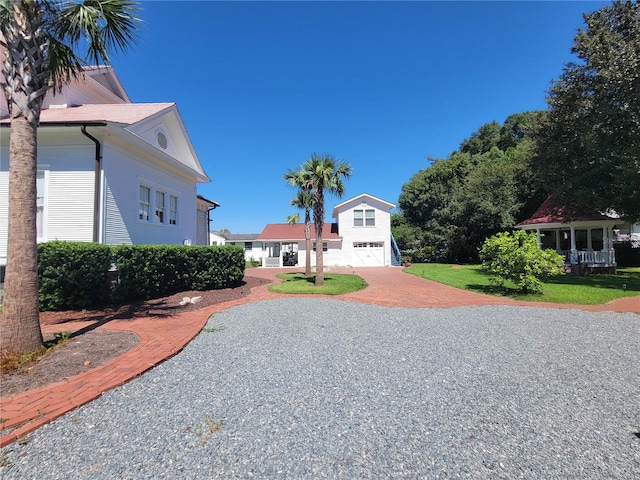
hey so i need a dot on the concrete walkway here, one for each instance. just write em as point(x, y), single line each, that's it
point(161, 338)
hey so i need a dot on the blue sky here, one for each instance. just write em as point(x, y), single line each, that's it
point(382, 85)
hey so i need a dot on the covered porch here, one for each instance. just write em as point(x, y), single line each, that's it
point(586, 241)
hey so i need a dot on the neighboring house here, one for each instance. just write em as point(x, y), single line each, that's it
point(111, 171)
point(361, 236)
point(203, 219)
point(585, 239)
point(249, 241)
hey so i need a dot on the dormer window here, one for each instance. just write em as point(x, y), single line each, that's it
point(162, 140)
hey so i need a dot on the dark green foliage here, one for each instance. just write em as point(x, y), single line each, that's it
point(72, 275)
point(75, 275)
point(422, 255)
point(485, 187)
point(626, 255)
point(151, 271)
point(590, 144)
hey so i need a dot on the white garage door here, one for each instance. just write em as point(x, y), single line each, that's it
point(368, 254)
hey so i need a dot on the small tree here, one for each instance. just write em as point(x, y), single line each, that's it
point(517, 257)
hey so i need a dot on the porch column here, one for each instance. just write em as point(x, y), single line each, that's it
point(574, 250)
point(538, 237)
point(557, 232)
point(612, 252)
point(589, 244)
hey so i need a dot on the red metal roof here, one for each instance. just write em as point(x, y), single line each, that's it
point(553, 210)
point(287, 232)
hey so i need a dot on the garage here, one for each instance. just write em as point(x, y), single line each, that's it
point(368, 254)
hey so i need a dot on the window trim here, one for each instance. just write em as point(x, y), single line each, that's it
point(154, 207)
point(173, 212)
point(364, 217)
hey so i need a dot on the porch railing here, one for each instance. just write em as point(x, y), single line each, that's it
point(590, 257)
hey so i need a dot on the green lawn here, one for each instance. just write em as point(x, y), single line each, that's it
point(334, 284)
point(584, 290)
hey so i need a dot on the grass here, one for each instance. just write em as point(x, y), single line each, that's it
point(334, 284)
point(582, 290)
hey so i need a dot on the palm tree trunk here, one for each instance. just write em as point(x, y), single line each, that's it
point(318, 216)
point(20, 322)
point(307, 243)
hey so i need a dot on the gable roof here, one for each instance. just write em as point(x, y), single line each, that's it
point(287, 232)
point(554, 210)
point(362, 198)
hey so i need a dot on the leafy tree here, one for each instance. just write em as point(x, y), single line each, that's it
point(591, 141)
point(40, 39)
point(325, 175)
point(485, 187)
point(484, 205)
point(483, 140)
point(425, 200)
point(406, 235)
point(517, 257)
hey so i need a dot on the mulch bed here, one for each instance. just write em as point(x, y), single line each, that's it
point(93, 348)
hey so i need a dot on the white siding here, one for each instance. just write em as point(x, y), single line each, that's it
point(69, 199)
point(71, 187)
point(123, 175)
point(380, 233)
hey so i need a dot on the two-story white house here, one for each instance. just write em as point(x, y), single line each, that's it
point(109, 170)
point(361, 236)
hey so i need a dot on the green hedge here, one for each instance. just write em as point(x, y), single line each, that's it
point(73, 275)
point(151, 271)
point(76, 275)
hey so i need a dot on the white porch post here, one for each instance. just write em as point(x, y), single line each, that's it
point(589, 244)
point(609, 237)
point(538, 237)
point(558, 232)
point(574, 250)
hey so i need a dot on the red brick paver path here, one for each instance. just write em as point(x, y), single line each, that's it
point(163, 338)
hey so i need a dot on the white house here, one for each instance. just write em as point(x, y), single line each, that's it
point(109, 170)
point(361, 236)
point(253, 248)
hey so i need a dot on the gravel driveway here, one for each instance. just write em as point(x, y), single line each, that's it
point(314, 388)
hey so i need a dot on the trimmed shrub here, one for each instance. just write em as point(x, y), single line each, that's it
point(73, 275)
point(516, 257)
point(152, 271)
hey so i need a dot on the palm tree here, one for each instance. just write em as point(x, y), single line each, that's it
point(325, 174)
point(39, 39)
point(304, 201)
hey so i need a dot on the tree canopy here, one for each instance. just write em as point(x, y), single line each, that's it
point(481, 189)
point(590, 143)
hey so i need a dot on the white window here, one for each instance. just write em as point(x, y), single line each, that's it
point(248, 246)
point(160, 207)
point(173, 210)
point(145, 203)
point(376, 244)
point(362, 218)
point(153, 205)
point(360, 245)
point(324, 246)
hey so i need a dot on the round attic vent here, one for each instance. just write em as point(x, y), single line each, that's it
point(162, 140)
